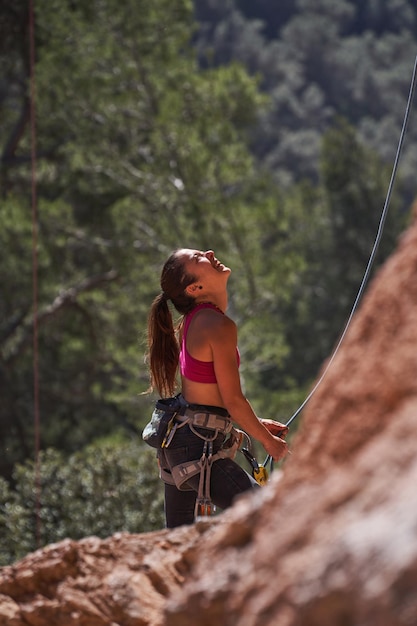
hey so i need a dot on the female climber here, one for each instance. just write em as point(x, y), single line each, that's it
point(197, 465)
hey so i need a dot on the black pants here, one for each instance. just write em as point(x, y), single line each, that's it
point(228, 479)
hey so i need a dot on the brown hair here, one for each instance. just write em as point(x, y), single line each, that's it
point(163, 343)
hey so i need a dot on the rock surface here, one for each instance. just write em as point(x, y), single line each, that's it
point(332, 541)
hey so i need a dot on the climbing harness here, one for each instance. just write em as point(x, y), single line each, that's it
point(198, 417)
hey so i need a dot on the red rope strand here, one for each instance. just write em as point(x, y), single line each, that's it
point(35, 273)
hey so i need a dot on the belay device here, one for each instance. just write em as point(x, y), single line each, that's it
point(259, 472)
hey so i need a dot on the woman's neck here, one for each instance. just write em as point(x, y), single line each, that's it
point(218, 301)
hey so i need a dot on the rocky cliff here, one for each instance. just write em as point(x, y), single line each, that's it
point(331, 541)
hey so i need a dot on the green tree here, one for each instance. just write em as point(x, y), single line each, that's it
point(139, 152)
point(318, 60)
point(339, 234)
point(106, 488)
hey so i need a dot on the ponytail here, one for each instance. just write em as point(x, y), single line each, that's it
point(163, 343)
point(163, 348)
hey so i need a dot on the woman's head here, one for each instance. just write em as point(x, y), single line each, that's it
point(191, 275)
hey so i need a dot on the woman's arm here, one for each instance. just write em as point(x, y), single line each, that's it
point(223, 341)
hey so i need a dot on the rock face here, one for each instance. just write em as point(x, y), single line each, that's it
point(123, 580)
point(332, 541)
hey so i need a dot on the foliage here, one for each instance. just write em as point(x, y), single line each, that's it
point(105, 488)
point(137, 152)
point(319, 60)
point(266, 131)
point(319, 250)
point(338, 237)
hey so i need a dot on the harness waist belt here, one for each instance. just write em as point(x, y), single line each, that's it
point(202, 419)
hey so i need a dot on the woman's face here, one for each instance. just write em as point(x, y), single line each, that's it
point(203, 265)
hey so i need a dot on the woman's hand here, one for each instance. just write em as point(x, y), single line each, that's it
point(276, 447)
point(275, 428)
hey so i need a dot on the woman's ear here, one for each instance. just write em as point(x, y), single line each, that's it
point(193, 289)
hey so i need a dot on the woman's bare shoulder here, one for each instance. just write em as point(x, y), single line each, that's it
point(215, 323)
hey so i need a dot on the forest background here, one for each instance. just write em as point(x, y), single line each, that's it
point(265, 130)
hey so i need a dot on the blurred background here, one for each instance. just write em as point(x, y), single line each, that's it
point(265, 130)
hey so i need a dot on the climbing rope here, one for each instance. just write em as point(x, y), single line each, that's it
point(372, 255)
point(35, 271)
point(375, 246)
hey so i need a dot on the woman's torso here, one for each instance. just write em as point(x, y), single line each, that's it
point(199, 385)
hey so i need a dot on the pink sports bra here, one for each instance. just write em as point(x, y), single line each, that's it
point(191, 368)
